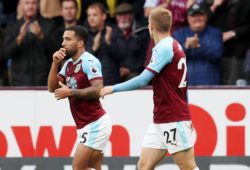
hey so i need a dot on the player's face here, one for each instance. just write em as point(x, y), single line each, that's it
point(70, 43)
point(29, 8)
point(69, 11)
point(95, 17)
point(197, 22)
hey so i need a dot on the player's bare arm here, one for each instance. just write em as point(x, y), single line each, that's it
point(58, 57)
point(86, 93)
point(106, 91)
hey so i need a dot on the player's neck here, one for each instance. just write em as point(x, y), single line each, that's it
point(159, 36)
point(78, 54)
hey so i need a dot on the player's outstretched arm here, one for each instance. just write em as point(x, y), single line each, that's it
point(139, 81)
point(106, 91)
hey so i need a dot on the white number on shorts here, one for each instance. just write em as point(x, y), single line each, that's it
point(171, 135)
point(182, 62)
point(83, 137)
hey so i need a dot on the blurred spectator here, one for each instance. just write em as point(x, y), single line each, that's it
point(179, 17)
point(50, 8)
point(8, 11)
point(86, 3)
point(177, 7)
point(27, 43)
point(232, 17)
point(69, 12)
point(203, 46)
point(138, 9)
point(105, 44)
point(135, 37)
point(1, 13)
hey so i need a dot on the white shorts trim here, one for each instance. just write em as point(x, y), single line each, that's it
point(173, 137)
point(96, 134)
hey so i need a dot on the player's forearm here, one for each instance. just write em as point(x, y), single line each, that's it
point(52, 78)
point(87, 93)
point(139, 81)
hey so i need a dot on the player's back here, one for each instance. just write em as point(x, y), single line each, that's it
point(170, 84)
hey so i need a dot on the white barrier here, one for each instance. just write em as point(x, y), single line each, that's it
point(34, 123)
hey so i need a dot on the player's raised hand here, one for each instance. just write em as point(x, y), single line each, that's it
point(59, 55)
point(62, 92)
point(105, 91)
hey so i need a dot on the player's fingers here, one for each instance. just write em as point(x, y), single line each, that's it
point(61, 84)
point(62, 53)
point(57, 96)
point(60, 56)
point(101, 94)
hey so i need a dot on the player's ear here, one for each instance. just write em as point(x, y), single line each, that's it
point(80, 43)
point(152, 26)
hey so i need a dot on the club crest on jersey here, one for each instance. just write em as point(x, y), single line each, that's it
point(77, 69)
point(94, 70)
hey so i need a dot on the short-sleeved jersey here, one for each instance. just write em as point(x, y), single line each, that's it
point(78, 75)
point(168, 62)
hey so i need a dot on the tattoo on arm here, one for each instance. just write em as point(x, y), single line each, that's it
point(91, 92)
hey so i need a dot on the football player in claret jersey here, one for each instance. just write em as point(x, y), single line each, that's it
point(171, 130)
point(80, 80)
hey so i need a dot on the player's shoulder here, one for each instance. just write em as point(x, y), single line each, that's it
point(164, 46)
point(89, 58)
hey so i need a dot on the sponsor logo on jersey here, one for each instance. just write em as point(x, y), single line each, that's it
point(91, 60)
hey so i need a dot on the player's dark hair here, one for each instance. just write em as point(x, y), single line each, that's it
point(80, 32)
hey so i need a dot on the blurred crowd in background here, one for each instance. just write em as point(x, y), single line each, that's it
point(215, 34)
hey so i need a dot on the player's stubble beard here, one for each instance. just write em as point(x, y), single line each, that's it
point(70, 53)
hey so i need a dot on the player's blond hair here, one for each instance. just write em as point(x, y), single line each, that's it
point(162, 18)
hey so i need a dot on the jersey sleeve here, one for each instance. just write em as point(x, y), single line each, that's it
point(161, 56)
point(92, 68)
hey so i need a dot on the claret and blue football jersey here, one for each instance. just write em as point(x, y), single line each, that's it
point(78, 75)
point(168, 63)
